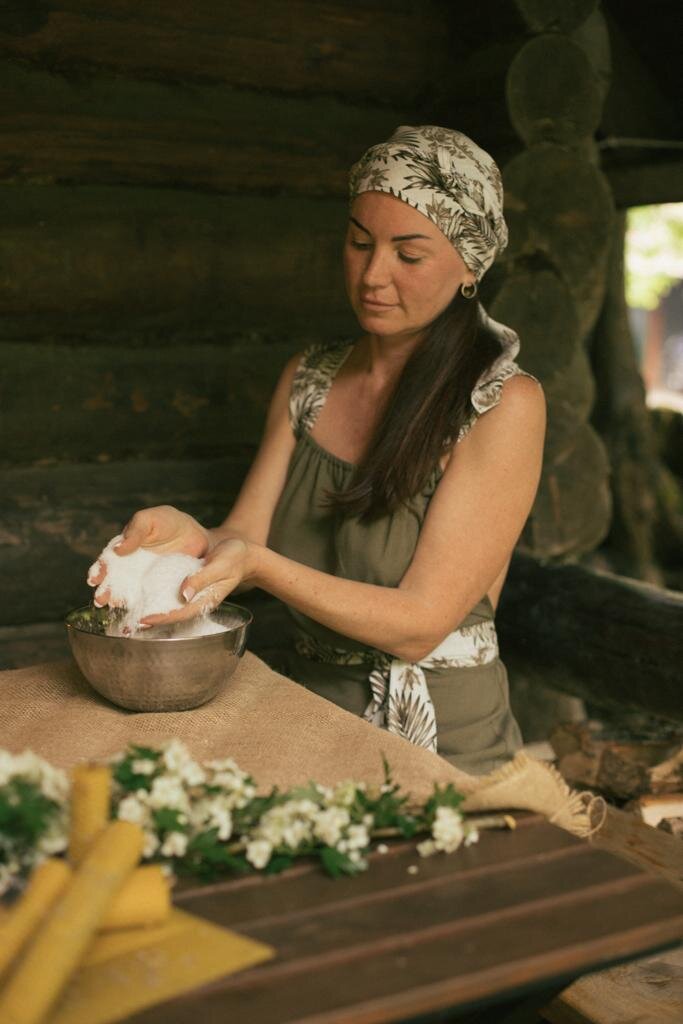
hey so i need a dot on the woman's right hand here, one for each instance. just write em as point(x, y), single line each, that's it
point(162, 529)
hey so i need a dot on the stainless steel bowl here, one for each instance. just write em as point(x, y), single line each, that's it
point(164, 673)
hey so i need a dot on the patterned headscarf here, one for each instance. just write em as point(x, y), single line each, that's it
point(449, 179)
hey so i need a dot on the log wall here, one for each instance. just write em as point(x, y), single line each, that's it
point(173, 199)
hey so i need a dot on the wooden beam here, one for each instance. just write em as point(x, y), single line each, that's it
point(117, 260)
point(213, 138)
point(356, 50)
point(610, 640)
point(645, 184)
point(105, 403)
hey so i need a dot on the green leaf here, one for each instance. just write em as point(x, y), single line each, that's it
point(278, 863)
point(143, 753)
point(166, 820)
point(337, 863)
point(448, 796)
point(25, 812)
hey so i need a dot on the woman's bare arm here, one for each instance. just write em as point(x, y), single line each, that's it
point(472, 524)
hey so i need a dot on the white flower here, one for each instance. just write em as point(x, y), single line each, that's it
point(168, 792)
point(54, 839)
point(6, 769)
point(132, 809)
point(151, 844)
point(357, 837)
point(382, 848)
point(426, 848)
point(329, 825)
point(175, 845)
point(345, 793)
point(447, 829)
point(258, 852)
point(471, 836)
point(175, 755)
point(143, 766)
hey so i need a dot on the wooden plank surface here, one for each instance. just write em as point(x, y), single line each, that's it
point(518, 910)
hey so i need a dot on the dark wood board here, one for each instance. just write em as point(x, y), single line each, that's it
point(520, 910)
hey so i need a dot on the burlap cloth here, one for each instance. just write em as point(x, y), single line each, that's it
point(276, 730)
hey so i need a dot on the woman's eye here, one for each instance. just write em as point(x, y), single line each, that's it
point(360, 245)
point(409, 259)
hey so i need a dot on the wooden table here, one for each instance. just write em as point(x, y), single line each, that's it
point(489, 933)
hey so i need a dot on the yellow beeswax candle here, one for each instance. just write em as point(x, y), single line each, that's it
point(65, 935)
point(143, 900)
point(45, 885)
point(88, 806)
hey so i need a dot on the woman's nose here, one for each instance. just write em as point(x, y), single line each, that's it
point(376, 273)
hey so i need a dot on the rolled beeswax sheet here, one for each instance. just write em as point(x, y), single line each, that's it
point(63, 937)
point(143, 900)
point(88, 807)
point(46, 884)
point(276, 730)
point(124, 972)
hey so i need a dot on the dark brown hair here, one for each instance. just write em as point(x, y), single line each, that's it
point(428, 407)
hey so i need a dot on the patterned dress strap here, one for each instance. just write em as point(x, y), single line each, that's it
point(488, 390)
point(312, 381)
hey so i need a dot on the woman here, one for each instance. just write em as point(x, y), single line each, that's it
point(395, 474)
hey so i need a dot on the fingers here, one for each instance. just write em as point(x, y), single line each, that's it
point(134, 535)
point(203, 602)
point(96, 573)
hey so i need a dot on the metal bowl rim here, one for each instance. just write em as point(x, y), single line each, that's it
point(226, 605)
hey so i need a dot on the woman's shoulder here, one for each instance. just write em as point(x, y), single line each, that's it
point(315, 368)
point(504, 382)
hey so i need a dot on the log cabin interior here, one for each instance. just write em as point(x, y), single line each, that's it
point(173, 196)
point(173, 202)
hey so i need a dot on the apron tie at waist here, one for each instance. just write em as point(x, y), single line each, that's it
point(400, 699)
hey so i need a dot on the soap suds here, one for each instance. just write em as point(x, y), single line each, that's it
point(146, 583)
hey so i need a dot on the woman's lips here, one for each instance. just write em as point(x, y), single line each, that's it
point(373, 304)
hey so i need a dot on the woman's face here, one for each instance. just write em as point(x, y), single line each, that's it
point(400, 270)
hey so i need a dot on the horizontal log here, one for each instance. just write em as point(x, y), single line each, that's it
point(210, 137)
point(645, 184)
point(77, 259)
point(55, 520)
point(560, 206)
point(79, 404)
point(554, 15)
point(610, 640)
point(390, 52)
point(552, 92)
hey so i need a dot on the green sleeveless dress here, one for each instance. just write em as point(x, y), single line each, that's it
point(475, 728)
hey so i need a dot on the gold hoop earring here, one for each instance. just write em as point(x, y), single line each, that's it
point(469, 290)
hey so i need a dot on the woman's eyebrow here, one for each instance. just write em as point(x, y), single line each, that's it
point(396, 238)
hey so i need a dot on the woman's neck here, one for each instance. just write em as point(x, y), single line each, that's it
point(383, 358)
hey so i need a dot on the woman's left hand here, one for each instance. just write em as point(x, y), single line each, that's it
point(228, 565)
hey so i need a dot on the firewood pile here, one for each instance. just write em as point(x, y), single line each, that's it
point(642, 773)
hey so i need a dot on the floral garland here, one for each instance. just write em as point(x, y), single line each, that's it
point(208, 819)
